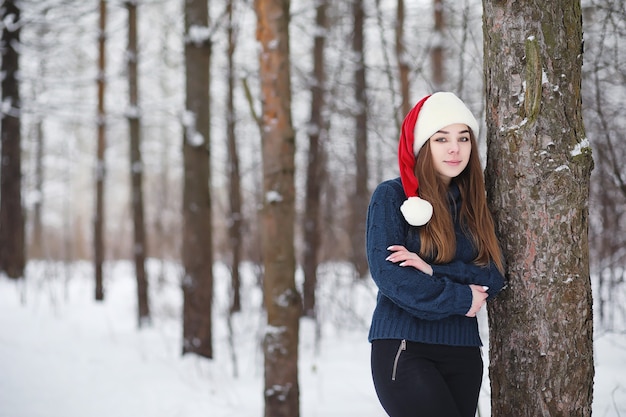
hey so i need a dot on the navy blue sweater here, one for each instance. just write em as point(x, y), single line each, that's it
point(413, 305)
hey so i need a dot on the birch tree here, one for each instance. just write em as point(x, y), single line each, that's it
point(539, 163)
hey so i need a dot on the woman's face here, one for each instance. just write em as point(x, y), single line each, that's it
point(450, 149)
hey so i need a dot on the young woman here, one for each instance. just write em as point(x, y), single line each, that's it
point(434, 256)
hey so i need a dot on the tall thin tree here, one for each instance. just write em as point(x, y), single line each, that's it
point(538, 168)
point(98, 221)
point(281, 298)
point(236, 215)
point(197, 244)
point(136, 167)
point(361, 196)
point(12, 244)
point(437, 48)
point(402, 59)
point(604, 124)
point(315, 178)
point(162, 243)
point(36, 248)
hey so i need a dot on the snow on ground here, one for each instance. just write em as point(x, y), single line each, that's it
point(609, 395)
point(64, 355)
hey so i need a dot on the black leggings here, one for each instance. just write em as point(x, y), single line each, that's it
point(426, 380)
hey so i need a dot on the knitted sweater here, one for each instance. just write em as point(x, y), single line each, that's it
point(413, 305)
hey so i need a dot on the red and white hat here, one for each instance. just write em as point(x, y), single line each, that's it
point(429, 115)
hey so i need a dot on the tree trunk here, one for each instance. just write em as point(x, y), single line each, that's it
point(12, 244)
point(36, 248)
point(282, 301)
point(403, 62)
point(466, 24)
point(162, 244)
point(437, 49)
point(37, 244)
point(316, 162)
point(98, 221)
point(361, 197)
point(136, 169)
point(197, 233)
point(538, 168)
point(604, 123)
point(236, 219)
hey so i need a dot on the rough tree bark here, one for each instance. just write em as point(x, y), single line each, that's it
point(136, 169)
point(197, 244)
point(282, 301)
point(12, 244)
point(539, 163)
point(315, 177)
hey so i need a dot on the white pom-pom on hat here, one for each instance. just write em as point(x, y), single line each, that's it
point(416, 211)
point(427, 117)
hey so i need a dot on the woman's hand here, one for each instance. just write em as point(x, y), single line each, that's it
point(479, 296)
point(401, 254)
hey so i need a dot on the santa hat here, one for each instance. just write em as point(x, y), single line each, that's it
point(430, 114)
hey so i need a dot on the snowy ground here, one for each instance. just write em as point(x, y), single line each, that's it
point(64, 355)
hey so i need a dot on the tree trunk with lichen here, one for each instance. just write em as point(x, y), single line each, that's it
point(538, 168)
point(282, 301)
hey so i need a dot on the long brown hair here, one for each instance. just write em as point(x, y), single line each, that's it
point(438, 240)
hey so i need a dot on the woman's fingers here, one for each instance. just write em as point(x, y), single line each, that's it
point(479, 296)
point(401, 254)
point(419, 265)
point(396, 247)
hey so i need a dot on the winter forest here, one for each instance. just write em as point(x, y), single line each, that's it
point(184, 185)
